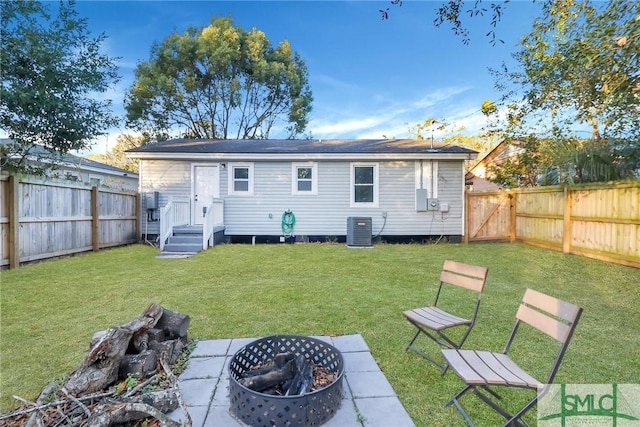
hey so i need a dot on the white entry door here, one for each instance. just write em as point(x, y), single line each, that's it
point(205, 187)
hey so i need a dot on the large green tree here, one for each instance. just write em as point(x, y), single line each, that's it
point(220, 82)
point(581, 66)
point(578, 74)
point(52, 69)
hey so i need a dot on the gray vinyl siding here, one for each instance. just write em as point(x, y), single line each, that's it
point(324, 214)
point(169, 178)
point(451, 190)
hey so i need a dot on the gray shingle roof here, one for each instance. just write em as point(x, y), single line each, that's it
point(69, 159)
point(300, 146)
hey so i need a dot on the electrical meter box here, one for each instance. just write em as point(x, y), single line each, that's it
point(151, 200)
point(421, 199)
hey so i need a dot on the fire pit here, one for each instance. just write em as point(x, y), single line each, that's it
point(309, 409)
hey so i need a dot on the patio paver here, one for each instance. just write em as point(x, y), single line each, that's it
point(369, 399)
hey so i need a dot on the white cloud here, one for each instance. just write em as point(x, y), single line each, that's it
point(396, 119)
point(438, 96)
point(470, 119)
point(326, 128)
point(332, 82)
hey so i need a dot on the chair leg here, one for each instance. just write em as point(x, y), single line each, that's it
point(512, 420)
point(493, 393)
point(516, 420)
point(457, 395)
point(454, 401)
point(419, 352)
point(415, 337)
point(410, 346)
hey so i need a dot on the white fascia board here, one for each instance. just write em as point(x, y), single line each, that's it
point(79, 166)
point(105, 171)
point(301, 156)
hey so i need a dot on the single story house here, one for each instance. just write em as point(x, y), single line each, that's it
point(69, 167)
point(307, 190)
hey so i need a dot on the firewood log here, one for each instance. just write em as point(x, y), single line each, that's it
point(269, 379)
point(102, 362)
point(175, 325)
point(302, 380)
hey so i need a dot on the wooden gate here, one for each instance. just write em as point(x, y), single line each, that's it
point(488, 216)
point(600, 221)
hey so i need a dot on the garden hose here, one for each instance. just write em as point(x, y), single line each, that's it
point(288, 220)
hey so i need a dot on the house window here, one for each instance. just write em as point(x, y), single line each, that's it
point(241, 179)
point(364, 184)
point(71, 176)
point(95, 180)
point(304, 178)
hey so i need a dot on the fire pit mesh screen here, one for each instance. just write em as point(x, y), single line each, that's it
point(259, 409)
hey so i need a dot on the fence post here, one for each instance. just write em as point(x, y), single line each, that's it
point(513, 214)
point(467, 210)
point(566, 221)
point(95, 219)
point(14, 222)
point(138, 214)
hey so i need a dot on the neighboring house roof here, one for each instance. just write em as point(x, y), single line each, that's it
point(478, 175)
point(39, 153)
point(500, 153)
point(480, 184)
point(307, 149)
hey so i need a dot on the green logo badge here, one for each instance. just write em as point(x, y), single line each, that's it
point(568, 405)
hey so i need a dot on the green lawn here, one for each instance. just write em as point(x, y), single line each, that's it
point(50, 310)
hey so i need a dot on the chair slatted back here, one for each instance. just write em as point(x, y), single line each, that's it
point(537, 310)
point(467, 276)
point(555, 318)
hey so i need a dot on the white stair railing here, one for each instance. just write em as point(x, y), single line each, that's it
point(166, 223)
point(213, 217)
point(182, 211)
point(175, 212)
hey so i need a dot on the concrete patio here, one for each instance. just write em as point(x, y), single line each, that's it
point(369, 399)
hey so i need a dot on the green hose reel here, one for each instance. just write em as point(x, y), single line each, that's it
point(288, 221)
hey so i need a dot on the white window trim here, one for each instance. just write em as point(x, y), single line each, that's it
point(100, 178)
point(231, 167)
point(314, 178)
point(376, 186)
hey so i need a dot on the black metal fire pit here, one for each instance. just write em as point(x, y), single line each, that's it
point(312, 409)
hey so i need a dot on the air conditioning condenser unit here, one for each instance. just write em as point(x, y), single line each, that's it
point(359, 231)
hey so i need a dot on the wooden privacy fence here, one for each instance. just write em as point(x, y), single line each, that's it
point(599, 221)
point(41, 219)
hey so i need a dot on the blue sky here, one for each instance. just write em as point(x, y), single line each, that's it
point(369, 77)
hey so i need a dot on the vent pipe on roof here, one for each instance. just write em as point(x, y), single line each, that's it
point(431, 149)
